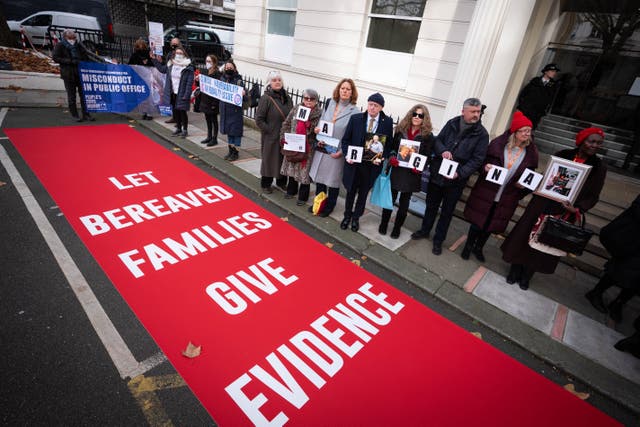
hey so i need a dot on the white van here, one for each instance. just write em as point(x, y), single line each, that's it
point(36, 25)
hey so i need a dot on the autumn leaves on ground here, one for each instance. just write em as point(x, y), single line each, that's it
point(27, 61)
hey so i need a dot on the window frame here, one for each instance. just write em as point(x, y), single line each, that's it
point(371, 16)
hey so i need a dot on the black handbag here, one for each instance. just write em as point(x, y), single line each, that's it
point(564, 235)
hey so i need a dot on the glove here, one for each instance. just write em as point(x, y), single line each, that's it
point(393, 161)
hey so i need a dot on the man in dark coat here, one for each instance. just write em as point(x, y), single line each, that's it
point(536, 97)
point(621, 238)
point(68, 53)
point(358, 178)
point(464, 140)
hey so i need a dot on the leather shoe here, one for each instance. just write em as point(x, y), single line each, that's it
point(478, 254)
point(630, 345)
point(324, 214)
point(420, 234)
point(437, 248)
point(355, 226)
point(345, 223)
point(382, 229)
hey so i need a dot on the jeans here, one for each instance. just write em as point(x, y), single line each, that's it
point(448, 197)
point(234, 140)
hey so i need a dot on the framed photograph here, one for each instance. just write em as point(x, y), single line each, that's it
point(373, 146)
point(405, 150)
point(563, 180)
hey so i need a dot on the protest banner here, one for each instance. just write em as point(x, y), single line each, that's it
point(225, 92)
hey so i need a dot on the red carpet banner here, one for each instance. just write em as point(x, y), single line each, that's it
point(290, 332)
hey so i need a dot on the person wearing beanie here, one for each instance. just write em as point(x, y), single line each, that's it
point(536, 97)
point(358, 178)
point(490, 206)
point(463, 140)
point(524, 259)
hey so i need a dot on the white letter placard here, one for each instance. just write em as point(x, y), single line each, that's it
point(303, 113)
point(326, 128)
point(448, 168)
point(295, 142)
point(530, 179)
point(497, 174)
point(354, 153)
point(418, 161)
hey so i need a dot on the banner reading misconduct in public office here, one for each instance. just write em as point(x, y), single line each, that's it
point(291, 332)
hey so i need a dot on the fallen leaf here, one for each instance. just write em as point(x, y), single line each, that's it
point(356, 262)
point(477, 334)
point(329, 245)
point(363, 257)
point(176, 148)
point(132, 121)
point(572, 389)
point(2, 183)
point(191, 156)
point(285, 218)
point(192, 351)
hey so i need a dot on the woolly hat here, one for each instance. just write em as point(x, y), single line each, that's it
point(584, 134)
point(518, 121)
point(377, 98)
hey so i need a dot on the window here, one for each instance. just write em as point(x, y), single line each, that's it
point(395, 24)
point(281, 17)
point(38, 21)
point(281, 25)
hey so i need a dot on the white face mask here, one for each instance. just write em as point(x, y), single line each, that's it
point(179, 57)
point(208, 65)
point(71, 42)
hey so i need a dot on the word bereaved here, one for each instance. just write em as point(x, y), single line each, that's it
point(233, 302)
point(362, 316)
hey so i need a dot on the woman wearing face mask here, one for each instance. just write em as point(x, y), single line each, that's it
point(326, 168)
point(231, 122)
point(162, 66)
point(210, 105)
point(177, 89)
point(273, 108)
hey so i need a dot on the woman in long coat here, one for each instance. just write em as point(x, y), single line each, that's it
point(523, 258)
point(326, 168)
point(272, 110)
point(209, 105)
point(490, 206)
point(231, 120)
point(299, 171)
point(177, 89)
point(415, 126)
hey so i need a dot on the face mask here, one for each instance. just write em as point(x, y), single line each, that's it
point(208, 65)
point(228, 72)
point(179, 57)
point(71, 42)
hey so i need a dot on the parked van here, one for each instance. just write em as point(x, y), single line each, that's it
point(36, 25)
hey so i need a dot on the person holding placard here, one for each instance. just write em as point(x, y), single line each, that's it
point(416, 127)
point(524, 259)
point(162, 66)
point(272, 110)
point(463, 140)
point(496, 193)
point(209, 105)
point(231, 118)
point(326, 168)
point(301, 120)
point(358, 178)
point(177, 89)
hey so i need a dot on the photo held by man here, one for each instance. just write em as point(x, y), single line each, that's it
point(228, 213)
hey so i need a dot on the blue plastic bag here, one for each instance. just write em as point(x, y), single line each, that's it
point(381, 193)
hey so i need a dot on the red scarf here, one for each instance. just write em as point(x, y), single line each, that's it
point(301, 129)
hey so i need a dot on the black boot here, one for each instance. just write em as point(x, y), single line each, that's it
point(630, 345)
point(526, 278)
point(234, 154)
point(206, 140)
point(384, 222)
point(595, 298)
point(515, 274)
point(483, 236)
point(228, 155)
point(397, 225)
point(472, 236)
point(615, 310)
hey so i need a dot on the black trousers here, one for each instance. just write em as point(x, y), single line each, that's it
point(359, 188)
point(212, 125)
point(447, 197)
point(72, 87)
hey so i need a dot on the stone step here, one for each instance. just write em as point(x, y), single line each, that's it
point(577, 125)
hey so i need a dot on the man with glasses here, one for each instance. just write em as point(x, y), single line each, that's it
point(358, 178)
point(464, 140)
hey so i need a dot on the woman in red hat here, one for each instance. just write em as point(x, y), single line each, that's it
point(491, 206)
point(523, 258)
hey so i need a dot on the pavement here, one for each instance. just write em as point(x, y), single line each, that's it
point(552, 319)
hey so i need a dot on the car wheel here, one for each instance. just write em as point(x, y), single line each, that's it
point(226, 55)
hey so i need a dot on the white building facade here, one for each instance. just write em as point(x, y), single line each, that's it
point(436, 52)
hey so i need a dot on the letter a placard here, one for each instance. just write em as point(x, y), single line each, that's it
point(530, 179)
point(326, 128)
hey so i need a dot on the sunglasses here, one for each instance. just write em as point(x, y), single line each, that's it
point(421, 115)
point(174, 46)
point(306, 98)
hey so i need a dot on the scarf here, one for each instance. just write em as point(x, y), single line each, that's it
point(73, 48)
point(183, 63)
